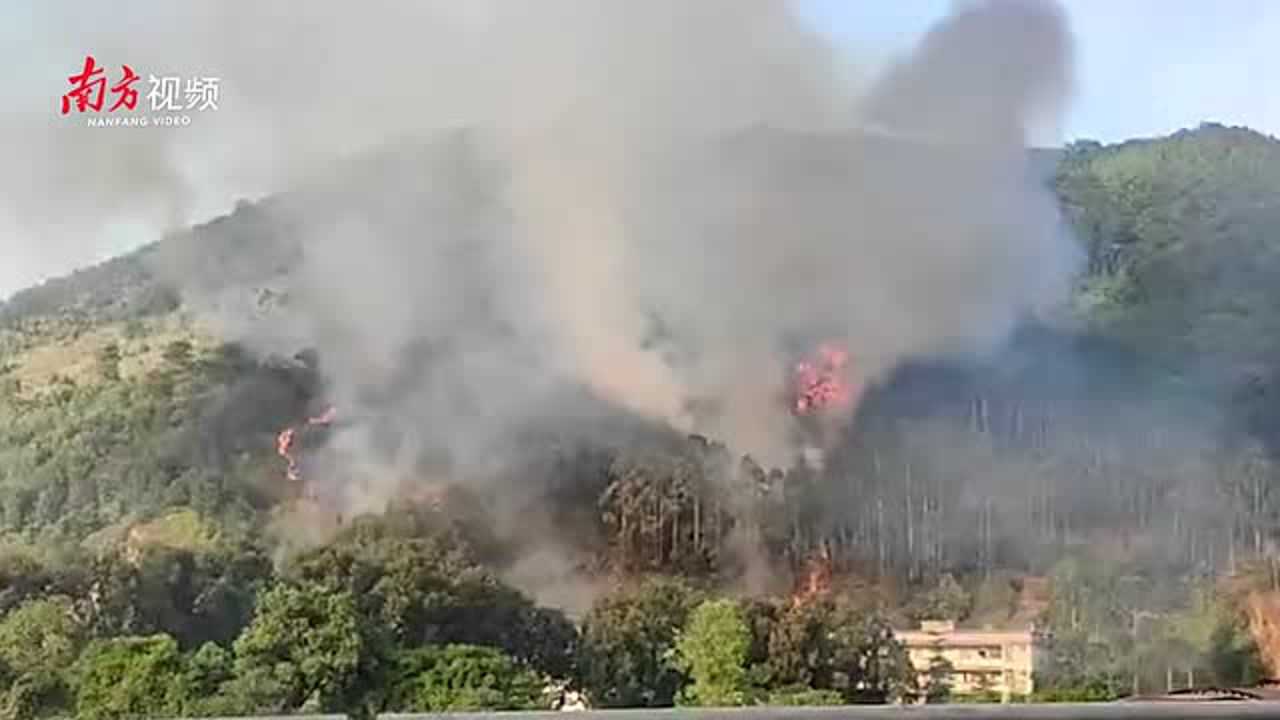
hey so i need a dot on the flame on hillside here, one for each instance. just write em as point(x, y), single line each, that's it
point(822, 382)
point(1263, 611)
point(815, 581)
point(285, 441)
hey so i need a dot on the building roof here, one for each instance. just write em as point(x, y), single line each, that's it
point(943, 633)
point(965, 637)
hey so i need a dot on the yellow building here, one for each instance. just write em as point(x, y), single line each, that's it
point(996, 661)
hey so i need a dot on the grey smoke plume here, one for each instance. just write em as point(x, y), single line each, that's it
point(691, 167)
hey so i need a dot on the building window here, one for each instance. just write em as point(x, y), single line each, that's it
point(991, 653)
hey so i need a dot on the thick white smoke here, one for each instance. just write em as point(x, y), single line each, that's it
point(693, 166)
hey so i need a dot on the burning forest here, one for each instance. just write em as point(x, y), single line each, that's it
point(465, 291)
point(530, 258)
point(288, 436)
point(625, 289)
point(632, 264)
point(822, 383)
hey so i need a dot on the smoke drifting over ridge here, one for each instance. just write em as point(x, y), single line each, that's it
point(617, 176)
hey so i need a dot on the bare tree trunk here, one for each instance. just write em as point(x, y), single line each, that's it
point(911, 528)
point(675, 535)
point(714, 525)
point(879, 485)
point(987, 543)
point(697, 524)
point(1231, 548)
point(625, 540)
point(880, 533)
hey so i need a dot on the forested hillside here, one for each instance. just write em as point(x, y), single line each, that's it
point(1113, 465)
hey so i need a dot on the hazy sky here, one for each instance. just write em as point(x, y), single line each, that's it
point(1146, 67)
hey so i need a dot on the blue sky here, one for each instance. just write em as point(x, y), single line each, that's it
point(1144, 67)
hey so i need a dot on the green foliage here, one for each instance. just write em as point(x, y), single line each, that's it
point(712, 651)
point(196, 597)
point(25, 576)
point(628, 645)
point(1117, 632)
point(421, 585)
point(937, 688)
point(1083, 667)
point(208, 669)
point(457, 678)
point(871, 666)
point(306, 644)
point(41, 637)
point(804, 697)
point(131, 677)
point(946, 601)
point(838, 647)
point(1096, 690)
point(32, 695)
point(1232, 655)
point(304, 650)
point(179, 353)
point(801, 648)
point(78, 457)
point(109, 362)
point(1178, 237)
point(981, 697)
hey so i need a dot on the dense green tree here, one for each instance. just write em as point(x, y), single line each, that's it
point(628, 645)
point(32, 696)
point(24, 577)
point(802, 649)
point(39, 642)
point(427, 588)
point(207, 670)
point(305, 649)
point(712, 652)
point(1081, 667)
point(1233, 655)
point(946, 601)
point(457, 678)
point(871, 665)
point(131, 677)
point(804, 697)
point(41, 637)
point(937, 687)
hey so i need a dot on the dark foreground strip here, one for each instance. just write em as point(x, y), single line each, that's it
point(1091, 711)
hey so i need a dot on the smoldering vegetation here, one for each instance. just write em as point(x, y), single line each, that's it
point(641, 215)
point(539, 307)
point(544, 245)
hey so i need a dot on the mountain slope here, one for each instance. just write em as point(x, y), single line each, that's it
point(118, 403)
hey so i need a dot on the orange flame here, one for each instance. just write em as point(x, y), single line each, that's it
point(821, 382)
point(816, 581)
point(285, 440)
